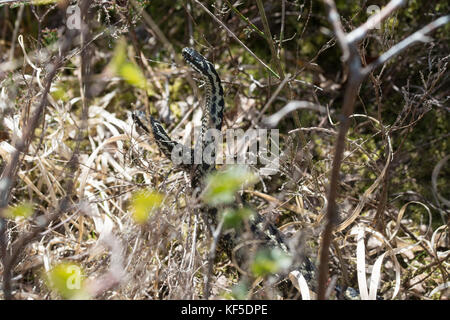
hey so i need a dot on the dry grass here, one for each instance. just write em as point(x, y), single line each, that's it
point(85, 159)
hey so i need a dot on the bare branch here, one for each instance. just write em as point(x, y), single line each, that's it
point(359, 33)
point(9, 173)
point(275, 118)
point(16, 30)
point(274, 95)
point(418, 36)
point(357, 74)
point(269, 39)
point(212, 254)
point(335, 20)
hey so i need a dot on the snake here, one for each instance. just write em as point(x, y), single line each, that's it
point(266, 233)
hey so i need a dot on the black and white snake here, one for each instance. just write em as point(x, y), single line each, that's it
point(264, 232)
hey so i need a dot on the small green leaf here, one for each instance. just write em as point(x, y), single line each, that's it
point(222, 185)
point(270, 261)
point(119, 56)
point(144, 203)
point(43, 2)
point(234, 218)
point(23, 210)
point(391, 23)
point(130, 72)
point(67, 279)
point(59, 93)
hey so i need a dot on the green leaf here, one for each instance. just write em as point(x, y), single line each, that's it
point(222, 185)
point(67, 279)
point(233, 218)
point(119, 56)
point(59, 93)
point(23, 210)
point(144, 203)
point(130, 72)
point(43, 2)
point(270, 261)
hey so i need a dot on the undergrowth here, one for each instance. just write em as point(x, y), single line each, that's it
point(69, 201)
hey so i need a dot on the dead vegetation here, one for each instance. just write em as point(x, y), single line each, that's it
point(377, 134)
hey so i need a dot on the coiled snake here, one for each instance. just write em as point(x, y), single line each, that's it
point(266, 233)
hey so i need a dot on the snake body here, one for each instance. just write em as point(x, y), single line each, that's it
point(262, 231)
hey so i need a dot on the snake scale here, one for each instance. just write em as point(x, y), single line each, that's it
point(264, 232)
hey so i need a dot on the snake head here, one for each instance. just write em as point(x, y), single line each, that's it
point(140, 118)
point(197, 61)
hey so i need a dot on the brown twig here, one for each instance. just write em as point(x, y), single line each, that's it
point(212, 254)
point(357, 73)
point(9, 173)
point(8, 176)
point(16, 30)
point(269, 39)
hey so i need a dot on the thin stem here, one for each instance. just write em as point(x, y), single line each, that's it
point(418, 36)
point(245, 19)
point(269, 39)
point(237, 39)
point(357, 74)
point(349, 102)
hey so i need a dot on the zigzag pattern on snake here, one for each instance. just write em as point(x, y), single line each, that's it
point(266, 233)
